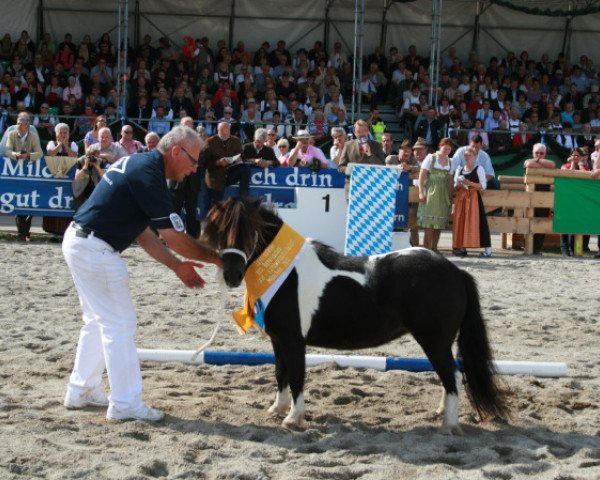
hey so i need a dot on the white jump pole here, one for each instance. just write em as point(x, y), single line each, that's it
point(537, 369)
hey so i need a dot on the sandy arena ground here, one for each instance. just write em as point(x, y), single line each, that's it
point(363, 424)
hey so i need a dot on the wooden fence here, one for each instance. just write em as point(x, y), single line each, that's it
point(518, 199)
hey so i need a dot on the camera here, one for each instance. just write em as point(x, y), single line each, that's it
point(363, 140)
point(92, 159)
point(314, 165)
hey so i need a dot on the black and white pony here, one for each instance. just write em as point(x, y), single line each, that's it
point(329, 300)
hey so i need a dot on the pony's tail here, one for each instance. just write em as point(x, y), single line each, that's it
point(482, 385)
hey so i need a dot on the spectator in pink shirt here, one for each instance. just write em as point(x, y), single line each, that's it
point(304, 154)
point(127, 142)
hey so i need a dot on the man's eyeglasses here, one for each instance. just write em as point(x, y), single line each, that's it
point(539, 153)
point(128, 131)
point(192, 159)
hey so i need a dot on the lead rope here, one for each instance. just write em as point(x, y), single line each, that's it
point(226, 302)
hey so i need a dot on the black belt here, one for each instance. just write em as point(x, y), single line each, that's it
point(83, 232)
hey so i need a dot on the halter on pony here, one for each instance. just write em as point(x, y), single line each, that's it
point(270, 262)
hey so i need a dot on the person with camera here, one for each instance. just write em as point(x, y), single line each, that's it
point(23, 143)
point(89, 171)
point(130, 201)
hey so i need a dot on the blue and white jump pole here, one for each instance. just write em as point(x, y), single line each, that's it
point(383, 364)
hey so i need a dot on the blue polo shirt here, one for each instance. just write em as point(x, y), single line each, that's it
point(131, 196)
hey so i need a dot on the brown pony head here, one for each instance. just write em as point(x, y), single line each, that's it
point(235, 223)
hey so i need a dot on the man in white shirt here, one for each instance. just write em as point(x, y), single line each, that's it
point(483, 159)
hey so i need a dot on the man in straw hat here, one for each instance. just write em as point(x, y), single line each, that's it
point(304, 154)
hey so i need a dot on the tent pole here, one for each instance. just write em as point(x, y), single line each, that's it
point(360, 52)
point(566, 44)
point(327, 26)
point(40, 20)
point(434, 60)
point(136, 23)
point(384, 25)
point(475, 45)
point(122, 45)
point(355, 84)
point(231, 24)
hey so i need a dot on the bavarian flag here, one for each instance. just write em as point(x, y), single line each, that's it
point(263, 273)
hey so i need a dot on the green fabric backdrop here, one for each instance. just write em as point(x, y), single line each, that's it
point(576, 206)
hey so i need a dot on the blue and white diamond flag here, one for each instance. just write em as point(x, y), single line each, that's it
point(371, 205)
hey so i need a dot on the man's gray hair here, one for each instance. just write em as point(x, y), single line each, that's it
point(150, 135)
point(540, 145)
point(261, 134)
point(61, 126)
point(105, 129)
point(177, 136)
point(338, 131)
point(24, 116)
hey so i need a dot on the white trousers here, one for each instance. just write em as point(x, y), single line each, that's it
point(106, 339)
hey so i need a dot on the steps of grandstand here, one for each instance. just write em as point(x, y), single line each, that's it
point(388, 115)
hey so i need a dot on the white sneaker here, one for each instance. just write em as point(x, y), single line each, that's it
point(90, 398)
point(144, 413)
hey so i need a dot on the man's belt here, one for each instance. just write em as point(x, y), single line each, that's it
point(83, 232)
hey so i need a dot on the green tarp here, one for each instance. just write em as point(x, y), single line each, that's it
point(576, 206)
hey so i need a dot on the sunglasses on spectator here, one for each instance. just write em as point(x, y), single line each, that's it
point(539, 153)
point(127, 131)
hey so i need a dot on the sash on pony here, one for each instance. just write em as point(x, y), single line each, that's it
point(265, 275)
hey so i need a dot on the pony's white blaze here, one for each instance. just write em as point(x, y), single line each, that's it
point(313, 277)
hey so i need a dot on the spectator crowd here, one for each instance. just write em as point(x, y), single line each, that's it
point(248, 104)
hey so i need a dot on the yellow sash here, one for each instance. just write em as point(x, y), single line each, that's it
point(265, 271)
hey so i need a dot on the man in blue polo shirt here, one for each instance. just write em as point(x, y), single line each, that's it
point(131, 198)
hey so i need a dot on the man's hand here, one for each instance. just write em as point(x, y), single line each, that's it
point(188, 275)
point(259, 162)
point(366, 149)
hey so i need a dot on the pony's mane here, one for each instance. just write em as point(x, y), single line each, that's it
point(238, 221)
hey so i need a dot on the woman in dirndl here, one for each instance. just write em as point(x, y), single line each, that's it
point(435, 187)
point(470, 227)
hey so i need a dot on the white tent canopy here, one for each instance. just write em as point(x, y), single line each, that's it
point(302, 23)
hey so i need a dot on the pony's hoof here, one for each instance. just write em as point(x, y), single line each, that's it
point(451, 430)
point(294, 425)
point(278, 410)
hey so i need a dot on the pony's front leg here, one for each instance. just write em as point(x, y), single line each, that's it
point(296, 362)
point(283, 398)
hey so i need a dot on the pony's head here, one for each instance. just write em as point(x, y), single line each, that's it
point(236, 228)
